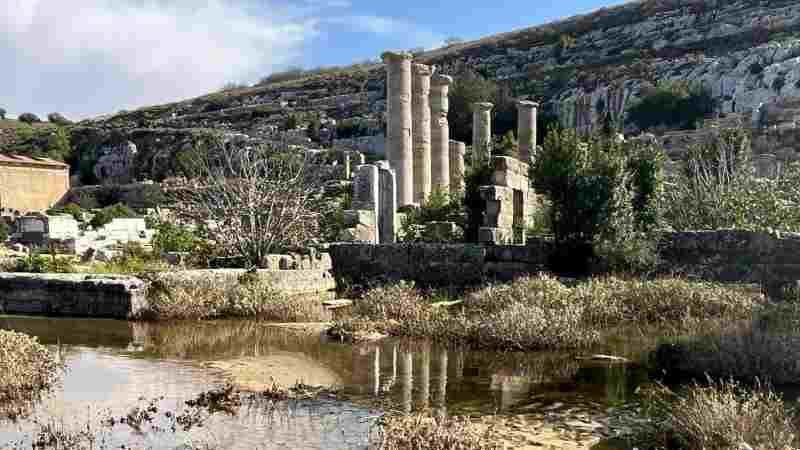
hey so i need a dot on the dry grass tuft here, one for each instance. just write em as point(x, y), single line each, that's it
point(720, 416)
point(26, 368)
point(215, 299)
point(420, 432)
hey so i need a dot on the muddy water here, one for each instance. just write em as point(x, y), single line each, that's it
point(111, 365)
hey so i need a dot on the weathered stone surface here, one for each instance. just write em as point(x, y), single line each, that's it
point(458, 150)
point(440, 133)
point(481, 132)
point(291, 282)
point(118, 297)
point(421, 129)
point(399, 123)
point(526, 129)
point(387, 209)
point(116, 163)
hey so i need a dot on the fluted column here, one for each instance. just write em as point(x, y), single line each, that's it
point(440, 133)
point(398, 129)
point(526, 129)
point(457, 166)
point(481, 132)
point(421, 127)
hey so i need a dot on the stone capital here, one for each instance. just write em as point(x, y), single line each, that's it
point(389, 57)
point(441, 80)
point(526, 104)
point(482, 106)
point(421, 70)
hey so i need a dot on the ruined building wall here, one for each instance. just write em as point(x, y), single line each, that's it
point(32, 187)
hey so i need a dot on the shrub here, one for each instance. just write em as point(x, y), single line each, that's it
point(28, 118)
point(3, 113)
point(46, 264)
point(673, 104)
point(420, 432)
point(107, 214)
point(439, 207)
point(720, 416)
point(171, 237)
point(394, 302)
point(58, 119)
point(26, 368)
point(4, 231)
point(719, 190)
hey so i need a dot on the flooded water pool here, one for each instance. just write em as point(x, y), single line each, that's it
point(112, 366)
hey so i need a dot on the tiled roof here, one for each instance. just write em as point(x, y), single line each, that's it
point(27, 160)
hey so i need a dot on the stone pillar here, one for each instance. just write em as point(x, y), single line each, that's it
point(421, 126)
point(526, 129)
point(481, 132)
point(387, 204)
point(366, 195)
point(457, 166)
point(398, 120)
point(440, 133)
point(347, 166)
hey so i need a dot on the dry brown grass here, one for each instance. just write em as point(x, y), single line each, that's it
point(203, 299)
point(26, 368)
point(720, 416)
point(421, 432)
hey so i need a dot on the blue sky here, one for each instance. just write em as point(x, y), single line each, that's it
point(90, 57)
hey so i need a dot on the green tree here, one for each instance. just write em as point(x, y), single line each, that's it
point(106, 215)
point(673, 104)
point(58, 119)
point(59, 146)
point(3, 230)
point(28, 118)
point(470, 88)
point(3, 114)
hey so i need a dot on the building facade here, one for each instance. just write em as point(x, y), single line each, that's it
point(31, 184)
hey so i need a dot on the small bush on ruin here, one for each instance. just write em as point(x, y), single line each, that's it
point(46, 264)
point(439, 207)
point(4, 231)
point(108, 214)
point(203, 298)
point(720, 416)
point(26, 368)
point(421, 432)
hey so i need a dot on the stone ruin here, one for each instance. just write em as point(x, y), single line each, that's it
point(115, 165)
point(422, 159)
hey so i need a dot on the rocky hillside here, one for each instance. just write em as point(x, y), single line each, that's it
point(581, 69)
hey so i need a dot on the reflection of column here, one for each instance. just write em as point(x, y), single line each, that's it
point(481, 132)
point(398, 128)
point(424, 383)
point(421, 128)
point(376, 371)
point(440, 133)
point(526, 129)
point(459, 365)
point(407, 380)
point(440, 399)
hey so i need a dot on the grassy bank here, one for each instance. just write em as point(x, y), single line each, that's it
point(26, 369)
point(214, 298)
point(542, 313)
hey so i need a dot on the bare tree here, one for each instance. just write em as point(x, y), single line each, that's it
point(256, 199)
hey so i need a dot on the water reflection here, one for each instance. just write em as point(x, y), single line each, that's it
point(413, 376)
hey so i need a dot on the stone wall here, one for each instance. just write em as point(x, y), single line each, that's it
point(290, 282)
point(722, 255)
point(117, 297)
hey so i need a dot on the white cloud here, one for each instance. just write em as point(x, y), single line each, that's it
point(85, 57)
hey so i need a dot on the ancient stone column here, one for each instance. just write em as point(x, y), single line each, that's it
point(481, 132)
point(440, 133)
point(457, 168)
point(526, 129)
point(421, 127)
point(398, 121)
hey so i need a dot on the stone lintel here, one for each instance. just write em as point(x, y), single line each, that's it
point(482, 106)
point(441, 80)
point(527, 104)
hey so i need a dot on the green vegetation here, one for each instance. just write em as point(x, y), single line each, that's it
point(26, 369)
point(3, 113)
point(29, 118)
point(470, 88)
point(107, 214)
point(719, 416)
point(439, 207)
point(541, 313)
point(4, 230)
point(46, 264)
point(206, 297)
point(171, 237)
point(58, 119)
point(603, 199)
point(672, 104)
point(72, 209)
point(718, 189)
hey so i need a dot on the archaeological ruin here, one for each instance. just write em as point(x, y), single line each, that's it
point(423, 159)
point(31, 184)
